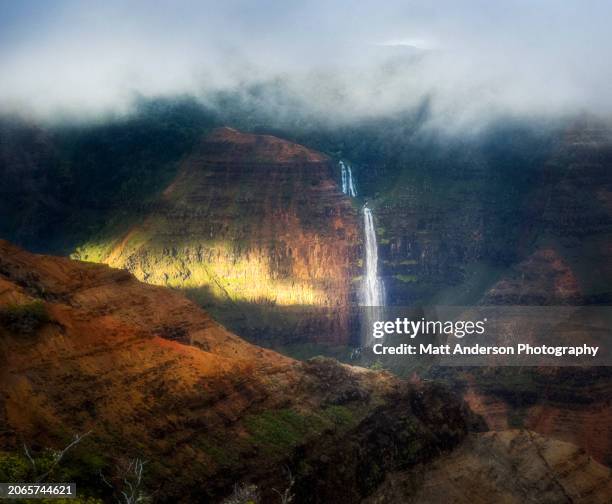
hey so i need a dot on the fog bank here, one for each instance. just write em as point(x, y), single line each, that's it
point(472, 60)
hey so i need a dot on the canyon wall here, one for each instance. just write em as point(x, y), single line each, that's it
point(515, 229)
point(254, 228)
point(565, 261)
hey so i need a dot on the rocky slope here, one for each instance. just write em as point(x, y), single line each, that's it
point(255, 228)
point(510, 467)
point(544, 278)
point(569, 404)
point(153, 376)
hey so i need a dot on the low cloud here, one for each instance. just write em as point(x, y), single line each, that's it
point(472, 60)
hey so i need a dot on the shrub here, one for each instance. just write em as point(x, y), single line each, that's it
point(24, 318)
point(377, 366)
point(13, 467)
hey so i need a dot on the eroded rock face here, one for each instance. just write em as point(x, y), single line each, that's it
point(570, 229)
point(568, 264)
point(568, 404)
point(541, 220)
point(153, 376)
point(544, 278)
point(255, 228)
point(511, 467)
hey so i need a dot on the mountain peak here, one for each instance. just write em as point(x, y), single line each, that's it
point(228, 144)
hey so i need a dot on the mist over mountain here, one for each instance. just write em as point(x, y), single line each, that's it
point(339, 62)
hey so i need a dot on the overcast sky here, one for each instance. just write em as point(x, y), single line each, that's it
point(474, 58)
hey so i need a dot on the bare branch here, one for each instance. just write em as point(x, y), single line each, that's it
point(27, 452)
point(130, 479)
point(59, 455)
point(286, 496)
point(104, 480)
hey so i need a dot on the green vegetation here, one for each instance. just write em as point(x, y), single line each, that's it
point(15, 467)
point(340, 415)
point(377, 366)
point(24, 318)
point(275, 433)
point(280, 430)
point(406, 278)
point(223, 453)
point(305, 351)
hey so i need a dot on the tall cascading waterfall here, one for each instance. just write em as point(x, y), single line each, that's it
point(373, 295)
point(373, 292)
point(348, 186)
point(351, 185)
point(373, 289)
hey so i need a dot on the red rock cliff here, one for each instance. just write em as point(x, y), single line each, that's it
point(255, 228)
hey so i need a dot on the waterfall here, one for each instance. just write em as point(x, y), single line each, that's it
point(373, 295)
point(348, 186)
point(351, 187)
point(373, 289)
